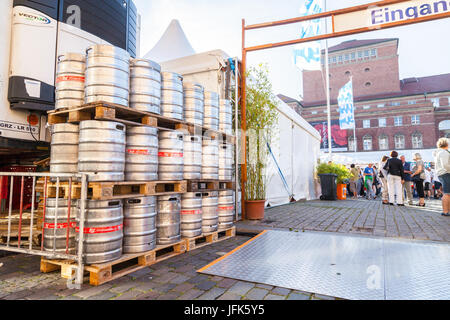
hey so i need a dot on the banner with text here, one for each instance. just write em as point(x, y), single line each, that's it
point(376, 16)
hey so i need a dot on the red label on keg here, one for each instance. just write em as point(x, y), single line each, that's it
point(191, 211)
point(144, 152)
point(101, 230)
point(70, 78)
point(59, 225)
point(171, 154)
point(226, 208)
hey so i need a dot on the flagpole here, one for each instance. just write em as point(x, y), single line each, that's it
point(327, 70)
point(354, 122)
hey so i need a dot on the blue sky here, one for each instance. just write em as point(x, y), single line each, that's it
point(216, 24)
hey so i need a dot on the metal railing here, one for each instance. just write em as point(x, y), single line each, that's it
point(49, 253)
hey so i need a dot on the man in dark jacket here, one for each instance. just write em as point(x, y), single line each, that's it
point(396, 179)
point(407, 184)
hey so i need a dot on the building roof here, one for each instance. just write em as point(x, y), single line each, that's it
point(287, 99)
point(408, 87)
point(358, 43)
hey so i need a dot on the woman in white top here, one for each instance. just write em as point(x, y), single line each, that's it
point(383, 177)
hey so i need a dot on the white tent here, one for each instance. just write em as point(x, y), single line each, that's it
point(172, 45)
point(295, 145)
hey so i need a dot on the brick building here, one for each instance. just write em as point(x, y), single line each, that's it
point(407, 114)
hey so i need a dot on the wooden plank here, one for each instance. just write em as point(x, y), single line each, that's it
point(209, 238)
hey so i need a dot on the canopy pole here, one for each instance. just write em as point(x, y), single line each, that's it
point(243, 131)
point(327, 71)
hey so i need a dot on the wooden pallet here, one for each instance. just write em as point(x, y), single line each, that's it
point(129, 263)
point(202, 185)
point(131, 117)
point(227, 185)
point(118, 190)
point(209, 238)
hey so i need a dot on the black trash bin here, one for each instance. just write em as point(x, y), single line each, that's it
point(329, 186)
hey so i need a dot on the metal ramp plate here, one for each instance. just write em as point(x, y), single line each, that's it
point(348, 267)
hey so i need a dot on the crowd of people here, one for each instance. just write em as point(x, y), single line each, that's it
point(394, 179)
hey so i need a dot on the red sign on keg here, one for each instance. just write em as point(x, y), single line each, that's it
point(144, 152)
point(101, 230)
point(191, 211)
point(59, 225)
point(170, 154)
point(226, 208)
point(70, 78)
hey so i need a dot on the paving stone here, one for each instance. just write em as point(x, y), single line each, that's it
point(18, 295)
point(165, 277)
point(153, 295)
point(183, 287)
point(256, 294)
point(124, 287)
point(230, 296)
point(191, 294)
point(169, 296)
point(179, 279)
point(226, 283)
point(281, 291)
point(323, 297)
point(129, 295)
point(241, 287)
point(206, 285)
point(274, 297)
point(299, 296)
point(72, 298)
point(264, 286)
point(93, 291)
point(212, 294)
point(104, 296)
point(198, 278)
point(164, 288)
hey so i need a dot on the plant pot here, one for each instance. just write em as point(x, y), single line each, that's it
point(342, 192)
point(255, 209)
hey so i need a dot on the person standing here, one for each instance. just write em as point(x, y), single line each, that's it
point(437, 186)
point(418, 177)
point(384, 184)
point(368, 181)
point(396, 178)
point(407, 184)
point(427, 183)
point(354, 180)
point(442, 160)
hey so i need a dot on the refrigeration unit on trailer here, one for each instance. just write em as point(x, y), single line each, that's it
point(33, 34)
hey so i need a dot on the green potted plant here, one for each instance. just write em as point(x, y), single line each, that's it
point(333, 179)
point(261, 116)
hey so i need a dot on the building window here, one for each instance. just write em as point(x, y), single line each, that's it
point(334, 59)
point(381, 105)
point(399, 141)
point(383, 142)
point(353, 55)
point(346, 57)
point(339, 58)
point(382, 122)
point(398, 121)
point(366, 53)
point(360, 54)
point(366, 69)
point(366, 107)
point(435, 102)
point(351, 143)
point(415, 120)
point(367, 143)
point(417, 141)
point(395, 104)
point(373, 52)
point(368, 84)
point(366, 124)
point(412, 102)
point(313, 112)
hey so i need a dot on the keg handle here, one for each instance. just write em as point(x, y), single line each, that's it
point(206, 194)
point(113, 203)
point(88, 49)
point(134, 201)
point(180, 137)
point(120, 127)
point(172, 199)
point(60, 56)
point(194, 139)
point(198, 195)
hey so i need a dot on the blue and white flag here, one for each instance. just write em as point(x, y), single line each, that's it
point(307, 55)
point(346, 107)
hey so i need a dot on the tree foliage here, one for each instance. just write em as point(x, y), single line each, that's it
point(261, 117)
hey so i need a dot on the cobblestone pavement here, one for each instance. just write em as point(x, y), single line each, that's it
point(173, 279)
point(363, 217)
